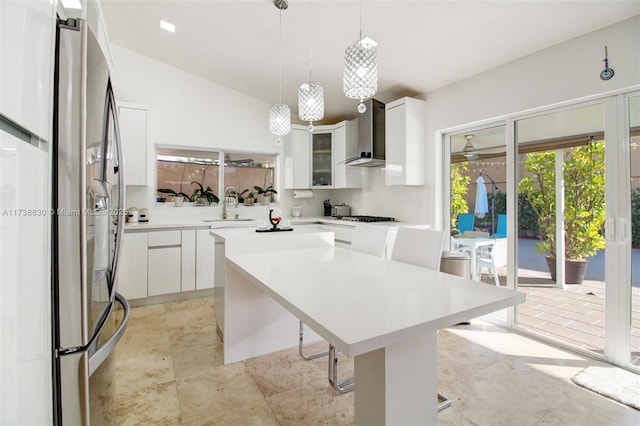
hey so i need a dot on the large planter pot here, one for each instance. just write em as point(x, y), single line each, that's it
point(574, 270)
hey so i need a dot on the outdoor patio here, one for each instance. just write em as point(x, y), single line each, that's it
point(575, 314)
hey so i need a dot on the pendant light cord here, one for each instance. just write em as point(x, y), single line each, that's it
point(280, 59)
point(360, 39)
point(310, 41)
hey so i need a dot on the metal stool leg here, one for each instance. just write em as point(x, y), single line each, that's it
point(342, 387)
point(443, 402)
point(301, 346)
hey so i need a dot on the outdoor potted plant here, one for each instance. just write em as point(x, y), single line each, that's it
point(584, 205)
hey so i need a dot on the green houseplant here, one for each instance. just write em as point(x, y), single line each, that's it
point(584, 205)
point(202, 196)
point(248, 199)
point(266, 193)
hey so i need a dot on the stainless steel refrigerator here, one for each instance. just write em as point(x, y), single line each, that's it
point(89, 316)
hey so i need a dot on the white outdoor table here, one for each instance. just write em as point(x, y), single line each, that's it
point(471, 245)
point(383, 313)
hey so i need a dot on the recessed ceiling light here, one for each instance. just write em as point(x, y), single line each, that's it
point(71, 4)
point(167, 26)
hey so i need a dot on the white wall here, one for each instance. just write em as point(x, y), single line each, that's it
point(563, 72)
point(185, 110)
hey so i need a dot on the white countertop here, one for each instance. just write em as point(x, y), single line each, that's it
point(252, 223)
point(360, 302)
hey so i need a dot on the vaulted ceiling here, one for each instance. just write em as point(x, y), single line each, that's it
point(423, 45)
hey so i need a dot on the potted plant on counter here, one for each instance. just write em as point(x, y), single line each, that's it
point(248, 199)
point(266, 193)
point(584, 205)
point(202, 196)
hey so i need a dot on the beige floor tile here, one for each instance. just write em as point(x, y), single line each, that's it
point(189, 316)
point(152, 405)
point(284, 370)
point(217, 390)
point(197, 360)
point(201, 302)
point(312, 406)
point(256, 413)
point(136, 372)
point(199, 333)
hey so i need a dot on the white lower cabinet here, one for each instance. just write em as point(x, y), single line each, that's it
point(204, 258)
point(164, 270)
point(132, 277)
point(162, 262)
point(188, 254)
point(342, 234)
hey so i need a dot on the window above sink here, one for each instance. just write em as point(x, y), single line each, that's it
point(199, 176)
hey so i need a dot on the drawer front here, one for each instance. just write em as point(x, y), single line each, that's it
point(165, 238)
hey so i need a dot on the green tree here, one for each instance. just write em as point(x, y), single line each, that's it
point(459, 188)
point(584, 199)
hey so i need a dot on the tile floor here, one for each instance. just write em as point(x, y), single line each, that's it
point(574, 314)
point(169, 371)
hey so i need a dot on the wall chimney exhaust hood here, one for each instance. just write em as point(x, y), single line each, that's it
point(371, 142)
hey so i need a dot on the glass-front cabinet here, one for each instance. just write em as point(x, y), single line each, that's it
point(321, 159)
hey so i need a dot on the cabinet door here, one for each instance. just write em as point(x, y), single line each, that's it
point(133, 129)
point(164, 270)
point(296, 159)
point(204, 259)
point(132, 275)
point(396, 133)
point(26, 63)
point(345, 146)
point(322, 159)
point(405, 141)
point(188, 260)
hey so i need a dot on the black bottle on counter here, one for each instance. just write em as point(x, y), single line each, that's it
point(327, 207)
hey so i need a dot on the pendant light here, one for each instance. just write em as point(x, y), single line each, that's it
point(360, 79)
point(311, 93)
point(280, 114)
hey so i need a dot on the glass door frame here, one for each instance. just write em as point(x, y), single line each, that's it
point(617, 217)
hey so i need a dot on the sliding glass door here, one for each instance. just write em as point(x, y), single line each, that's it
point(561, 206)
point(633, 148)
point(570, 181)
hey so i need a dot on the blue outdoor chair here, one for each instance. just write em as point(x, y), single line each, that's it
point(501, 230)
point(465, 222)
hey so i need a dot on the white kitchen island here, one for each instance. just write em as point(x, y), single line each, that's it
point(384, 313)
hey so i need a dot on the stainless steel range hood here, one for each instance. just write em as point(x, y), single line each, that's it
point(371, 142)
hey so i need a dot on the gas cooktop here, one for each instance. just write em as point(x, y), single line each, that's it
point(366, 218)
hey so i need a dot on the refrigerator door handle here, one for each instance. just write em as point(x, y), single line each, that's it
point(107, 348)
point(121, 184)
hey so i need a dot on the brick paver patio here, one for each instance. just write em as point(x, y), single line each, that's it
point(574, 315)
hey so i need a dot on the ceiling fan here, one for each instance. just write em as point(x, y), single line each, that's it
point(469, 149)
point(239, 163)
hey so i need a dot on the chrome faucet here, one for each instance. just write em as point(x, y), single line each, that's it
point(232, 193)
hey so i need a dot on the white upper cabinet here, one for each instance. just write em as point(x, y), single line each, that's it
point(316, 160)
point(322, 157)
point(26, 64)
point(345, 146)
point(296, 164)
point(133, 131)
point(405, 139)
